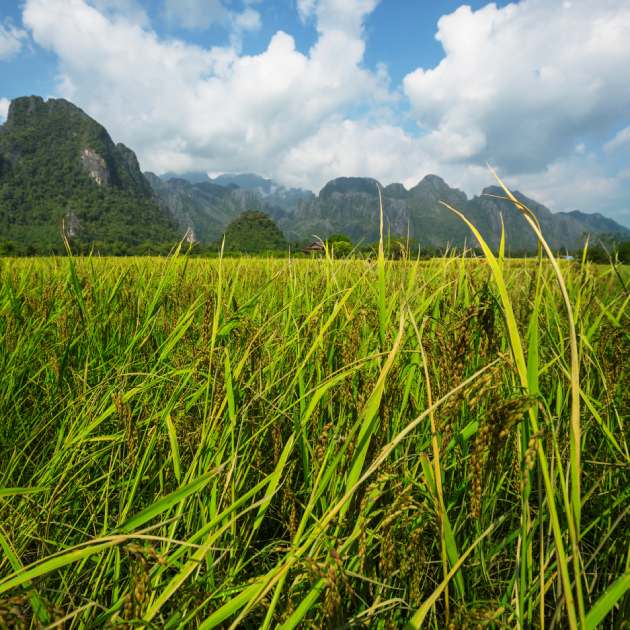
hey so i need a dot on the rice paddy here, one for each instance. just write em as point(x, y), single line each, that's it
point(325, 443)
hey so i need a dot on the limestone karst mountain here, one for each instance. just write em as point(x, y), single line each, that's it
point(59, 167)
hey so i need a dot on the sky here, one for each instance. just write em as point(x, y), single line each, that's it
point(303, 91)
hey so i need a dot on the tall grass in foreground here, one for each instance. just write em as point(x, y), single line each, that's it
point(335, 443)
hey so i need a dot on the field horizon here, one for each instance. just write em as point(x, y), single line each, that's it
point(257, 442)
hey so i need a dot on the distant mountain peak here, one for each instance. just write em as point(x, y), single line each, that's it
point(348, 185)
point(497, 191)
point(21, 109)
point(432, 188)
point(434, 180)
point(396, 191)
point(596, 222)
point(247, 181)
point(193, 177)
point(591, 215)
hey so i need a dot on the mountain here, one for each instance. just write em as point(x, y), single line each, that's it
point(194, 177)
point(274, 195)
point(59, 166)
point(350, 205)
point(595, 222)
point(561, 230)
point(207, 208)
point(247, 181)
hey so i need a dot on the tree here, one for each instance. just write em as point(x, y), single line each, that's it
point(341, 249)
point(340, 245)
point(254, 232)
point(339, 238)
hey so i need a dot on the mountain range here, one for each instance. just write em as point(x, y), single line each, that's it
point(60, 169)
point(349, 205)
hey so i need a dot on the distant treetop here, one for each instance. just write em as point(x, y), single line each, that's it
point(253, 232)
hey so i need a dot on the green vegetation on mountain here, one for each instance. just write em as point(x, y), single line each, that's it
point(254, 232)
point(58, 167)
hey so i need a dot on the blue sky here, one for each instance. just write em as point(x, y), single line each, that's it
point(306, 90)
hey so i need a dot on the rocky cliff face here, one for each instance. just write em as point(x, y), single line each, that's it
point(60, 167)
point(95, 166)
point(350, 205)
point(274, 194)
point(129, 165)
point(207, 208)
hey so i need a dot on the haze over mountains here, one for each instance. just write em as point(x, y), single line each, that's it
point(58, 165)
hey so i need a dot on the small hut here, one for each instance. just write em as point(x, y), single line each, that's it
point(316, 247)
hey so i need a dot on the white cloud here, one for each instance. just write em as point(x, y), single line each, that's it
point(620, 141)
point(182, 106)
point(337, 15)
point(11, 40)
point(354, 148)
point(573, 183)
point(196, 14)
point(534, 88)
point(247, 20)
point(4, 109)
point(129, 10)
point(523, 84)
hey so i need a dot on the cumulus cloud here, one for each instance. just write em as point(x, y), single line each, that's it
point(620, 141)
point(522, 84)
point(196, 14)
point(4, 109)
point(573, 183)
point(247, 20)
point(355, 148)
point(337, 15)
point(533, 88)
point(183, 106)
point(11, 40)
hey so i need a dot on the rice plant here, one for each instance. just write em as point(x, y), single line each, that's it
point(314, 443)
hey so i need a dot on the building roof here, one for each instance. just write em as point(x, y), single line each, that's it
point(315, 246)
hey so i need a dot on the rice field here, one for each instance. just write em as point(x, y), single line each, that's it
point(258, 443)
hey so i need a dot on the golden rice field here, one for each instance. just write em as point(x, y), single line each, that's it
point(262, 443)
